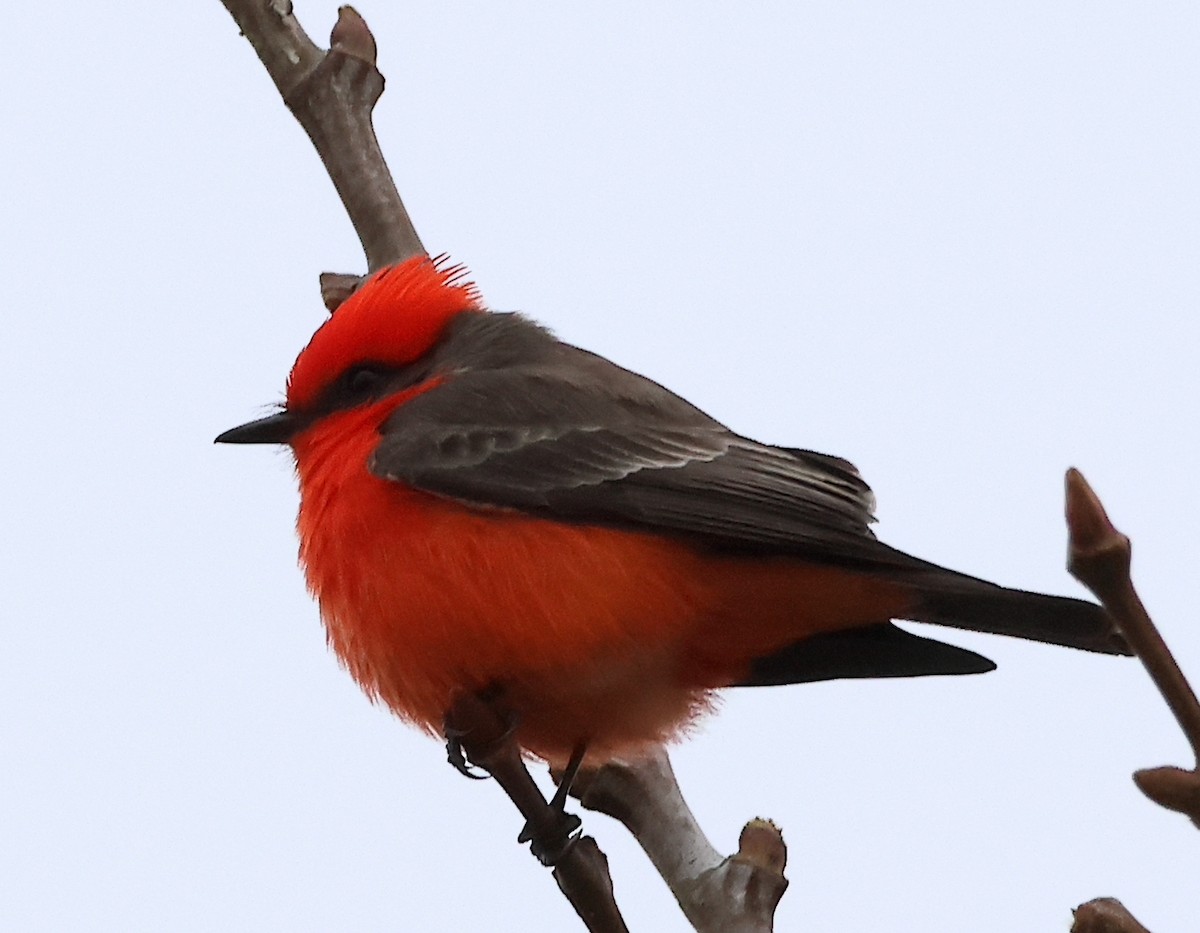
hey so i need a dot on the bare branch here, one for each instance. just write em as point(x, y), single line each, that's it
point(1099, 558)
point(332, 95)
point(281, 43)
point(738, 894)
point(584, 880)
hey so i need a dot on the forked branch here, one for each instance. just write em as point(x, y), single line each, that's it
point(737, 894)
point(332, 94)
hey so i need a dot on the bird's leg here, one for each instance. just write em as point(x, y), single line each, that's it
point(559, 831)
point(485, 738)
point(559, 800)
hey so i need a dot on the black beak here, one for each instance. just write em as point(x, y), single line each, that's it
point(273, 429)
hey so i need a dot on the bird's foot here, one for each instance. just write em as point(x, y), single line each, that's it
point(481, 741)
point(557, 830)
point(553, 836)
point(458, 736)
point(457, 756)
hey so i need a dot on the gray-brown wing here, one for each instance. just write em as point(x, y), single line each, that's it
point(580, 439)
point(561, 433)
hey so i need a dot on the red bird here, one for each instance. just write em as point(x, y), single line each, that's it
point(486, 508)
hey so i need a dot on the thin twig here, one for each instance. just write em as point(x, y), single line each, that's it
point(332, 95)
point(1099, 558)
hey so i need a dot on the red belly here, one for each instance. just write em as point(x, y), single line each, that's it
point(592, 634)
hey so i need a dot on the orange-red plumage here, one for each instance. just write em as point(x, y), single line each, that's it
point(594, 633)
point(368, 326)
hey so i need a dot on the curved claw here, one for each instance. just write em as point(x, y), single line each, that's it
point(458, 758)
point(456, 751)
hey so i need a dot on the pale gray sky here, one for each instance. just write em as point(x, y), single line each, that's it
point(956, 243)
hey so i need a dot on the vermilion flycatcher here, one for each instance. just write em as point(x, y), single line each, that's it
point(485, 508)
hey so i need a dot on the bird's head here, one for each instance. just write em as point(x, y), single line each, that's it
point(371, 344)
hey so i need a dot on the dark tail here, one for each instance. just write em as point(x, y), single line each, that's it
point(883, 650)
point(946, 598)
point(959, 601)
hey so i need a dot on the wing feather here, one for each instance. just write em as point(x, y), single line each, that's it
point(520, 421)
point(581, 439)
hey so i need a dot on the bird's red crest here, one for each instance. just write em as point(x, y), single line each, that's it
point(394, 318)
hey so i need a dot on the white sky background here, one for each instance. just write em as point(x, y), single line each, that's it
point(954, 242)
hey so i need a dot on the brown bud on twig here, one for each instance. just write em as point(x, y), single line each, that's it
point(336, 287)
point(1100, 559)
point(1105, 915)
point(351, 36)
point(1174, 788)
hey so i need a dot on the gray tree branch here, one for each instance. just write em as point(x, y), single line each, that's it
point(332, 94)
point(718, 894)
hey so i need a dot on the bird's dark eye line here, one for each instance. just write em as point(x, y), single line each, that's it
point(367, 382)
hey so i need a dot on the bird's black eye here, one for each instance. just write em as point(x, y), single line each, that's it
point(364, 379)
